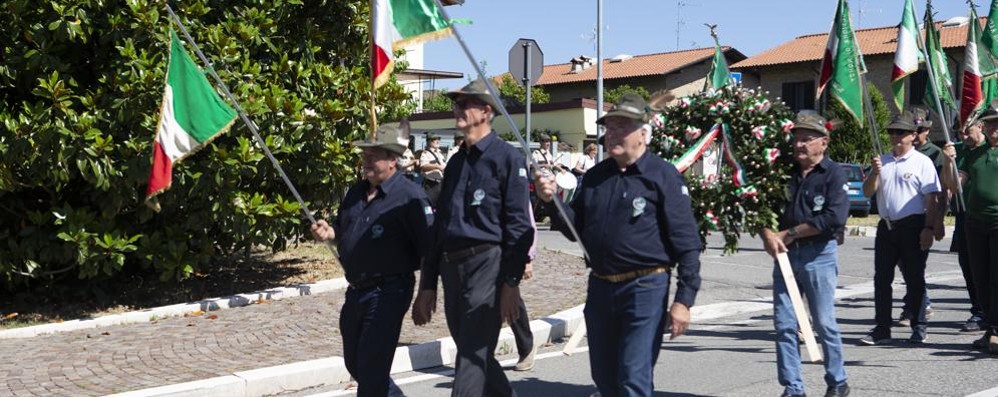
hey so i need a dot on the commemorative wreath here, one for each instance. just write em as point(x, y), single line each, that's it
point(751, 135)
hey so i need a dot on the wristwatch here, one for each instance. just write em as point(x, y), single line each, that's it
point(512, 281)
point(792, 231)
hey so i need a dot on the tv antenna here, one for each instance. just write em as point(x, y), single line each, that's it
point(680, 22)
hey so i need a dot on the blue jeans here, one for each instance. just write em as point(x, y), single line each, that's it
point(816, 270)
point(623, 321)
point(370, 322)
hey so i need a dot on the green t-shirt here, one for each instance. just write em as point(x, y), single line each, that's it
point(981, 190)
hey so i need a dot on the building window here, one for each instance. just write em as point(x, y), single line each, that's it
point(799, 95)
point(916, 87)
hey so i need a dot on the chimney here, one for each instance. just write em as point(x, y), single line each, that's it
point(581, 63)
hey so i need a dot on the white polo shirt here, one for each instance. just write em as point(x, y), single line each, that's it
point(904, 183)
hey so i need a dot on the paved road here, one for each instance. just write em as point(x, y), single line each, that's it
point(735, 355)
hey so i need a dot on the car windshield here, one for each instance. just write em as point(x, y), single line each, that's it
point(854, 173)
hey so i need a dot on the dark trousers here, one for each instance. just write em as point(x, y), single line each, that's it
point(982, 247)
point(624, 324)
point(370, 322)
point(521, 332)
point(960, 246)
point(471, 304)
point(898, 246)
point(432, 188)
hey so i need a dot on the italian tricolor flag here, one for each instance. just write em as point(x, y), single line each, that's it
point(191, 116)
point(972, 97)
point(397, 23)
point(907, 56)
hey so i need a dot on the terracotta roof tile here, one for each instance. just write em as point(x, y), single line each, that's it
point(639, 65)
point(874, 41)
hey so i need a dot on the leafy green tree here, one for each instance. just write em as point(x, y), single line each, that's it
point(436, 101)
point(80, 88)
point(852, 143)
point(514, 94)
point(612, 95)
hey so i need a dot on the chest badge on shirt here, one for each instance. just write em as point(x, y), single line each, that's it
point(907, 176)
point(377, 231)
point(478, 197)
point(638, 204)
point(819, 203)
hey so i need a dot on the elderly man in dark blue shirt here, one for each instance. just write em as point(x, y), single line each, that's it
point(480, 247)
point(381, 227)
point(634, 216)
point(815, 214)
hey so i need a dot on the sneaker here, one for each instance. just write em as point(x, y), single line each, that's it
point(838, 391)
point(973, 324)
point(526, 363)
point(790, 394)
point(993, 344)
point(904, 320)
point(876, 337)
point(918, 336)
point(928, 312)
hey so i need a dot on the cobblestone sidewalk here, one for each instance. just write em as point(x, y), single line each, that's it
point(182, 349)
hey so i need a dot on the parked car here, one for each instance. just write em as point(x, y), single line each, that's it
point(859, 204)
point(873, 198)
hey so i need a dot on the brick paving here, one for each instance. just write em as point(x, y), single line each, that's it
point(182, 349)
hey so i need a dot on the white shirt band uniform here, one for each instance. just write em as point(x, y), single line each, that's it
point(904, 182)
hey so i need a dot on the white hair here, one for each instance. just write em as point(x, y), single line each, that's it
point(648, 130)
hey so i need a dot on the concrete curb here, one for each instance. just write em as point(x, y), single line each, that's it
point(181, 309)
point(332, 371)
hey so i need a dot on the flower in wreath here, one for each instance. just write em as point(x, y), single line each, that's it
point(772, 154)
point(657, 121)
point(711, 220)
point(746, 192)
point(763, 106)
point(668, 142)
point(685, 102)
point(787, 125)
point(692, 133)
point(759, 132)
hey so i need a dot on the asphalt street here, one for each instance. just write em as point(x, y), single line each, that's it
point(729, 350)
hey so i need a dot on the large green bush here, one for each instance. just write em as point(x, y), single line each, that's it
point(80, 87)
point(852, 143)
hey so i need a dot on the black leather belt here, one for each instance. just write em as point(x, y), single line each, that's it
point(456, 255)
point(375, 281)
point(916, 220)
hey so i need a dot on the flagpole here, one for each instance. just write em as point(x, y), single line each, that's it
point(242, 115)
point(374, 85)
point(939, 107)
point(509, 119)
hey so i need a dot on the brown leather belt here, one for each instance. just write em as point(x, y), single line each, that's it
point(456, 255)
point(621, 277)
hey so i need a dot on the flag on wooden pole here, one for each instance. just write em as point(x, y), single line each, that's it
point(190, 117)
point(841, 68)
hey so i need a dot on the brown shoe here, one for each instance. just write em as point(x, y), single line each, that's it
point(993, 344)
point(526, 363)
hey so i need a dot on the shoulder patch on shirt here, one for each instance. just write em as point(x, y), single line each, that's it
point(427, 210)
point(686, 191)
point(523, 172)
point(845, 186)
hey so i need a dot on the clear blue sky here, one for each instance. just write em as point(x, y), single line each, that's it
point(634, 27)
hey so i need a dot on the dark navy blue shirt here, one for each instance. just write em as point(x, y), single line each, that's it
point(637, 218)
point(386, 235)
point(484, 199)
point(821, 200)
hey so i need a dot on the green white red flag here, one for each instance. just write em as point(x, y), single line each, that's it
point(397, 23)
point(841, 67)
point(908, 55)
point(191, 116)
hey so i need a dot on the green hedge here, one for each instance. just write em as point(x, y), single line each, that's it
point(80, 87)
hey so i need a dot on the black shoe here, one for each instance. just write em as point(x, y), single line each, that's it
point(789, 394)
point(876, 337)
point(838, 391)
point(973, 324)
point(918, 336)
